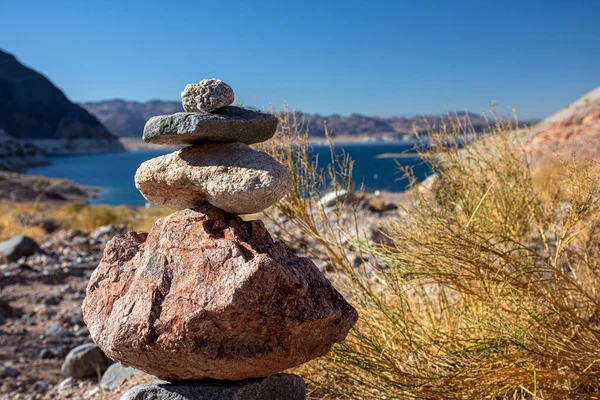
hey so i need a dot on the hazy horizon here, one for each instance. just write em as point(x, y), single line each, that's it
point(384, 59)
point(439, 113)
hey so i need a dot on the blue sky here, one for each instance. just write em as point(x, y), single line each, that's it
point(369, 57)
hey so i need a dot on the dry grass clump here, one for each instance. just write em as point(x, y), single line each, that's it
point(82, 216)
point(491, 284)
point(89, 217)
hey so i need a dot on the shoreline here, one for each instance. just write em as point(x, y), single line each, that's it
point(24, 187)
point(118, 190)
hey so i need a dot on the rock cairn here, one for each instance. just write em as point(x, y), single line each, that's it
point(205, 300)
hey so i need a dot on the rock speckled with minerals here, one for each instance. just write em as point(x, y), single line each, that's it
point(230, 176)
point(206, 96)
point(208, 295)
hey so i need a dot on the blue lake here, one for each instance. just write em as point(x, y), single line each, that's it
point(114, 172)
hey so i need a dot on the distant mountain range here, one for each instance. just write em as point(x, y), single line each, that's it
point(396, 127)
point(127, 118)
point(34, 112)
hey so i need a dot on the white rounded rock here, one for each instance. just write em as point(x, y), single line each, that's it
point(230, 176)
point(206, 96)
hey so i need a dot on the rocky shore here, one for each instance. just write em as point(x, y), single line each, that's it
point(25, 188)
point(16, 156)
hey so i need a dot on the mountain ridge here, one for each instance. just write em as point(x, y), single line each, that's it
point(125, 118)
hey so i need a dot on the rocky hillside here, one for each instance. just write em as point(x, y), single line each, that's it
point(127, 119)
point(15, 156)
point(571, 132)
point(37, 113)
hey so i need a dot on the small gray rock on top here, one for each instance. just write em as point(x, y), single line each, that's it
point(206, 96)
point(274, 387)
point(229, 124)
point(230, 176)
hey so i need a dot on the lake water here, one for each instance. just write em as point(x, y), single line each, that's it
point(114, 172)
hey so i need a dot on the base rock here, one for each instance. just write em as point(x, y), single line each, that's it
point(275, 387)
point(208, 295)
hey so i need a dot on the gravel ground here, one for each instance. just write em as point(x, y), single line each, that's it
point(40, 310)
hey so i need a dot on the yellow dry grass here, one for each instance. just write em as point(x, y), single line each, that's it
point(81, 216)
point(491, 284)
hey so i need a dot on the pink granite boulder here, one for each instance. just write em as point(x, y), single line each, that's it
point(208, 295)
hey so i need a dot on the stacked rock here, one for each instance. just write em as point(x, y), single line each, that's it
point(218, 166)
point(205, 295)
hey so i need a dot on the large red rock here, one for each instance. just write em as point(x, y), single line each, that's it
point(207, 295)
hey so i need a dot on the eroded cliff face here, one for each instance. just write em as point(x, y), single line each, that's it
point(35, 112)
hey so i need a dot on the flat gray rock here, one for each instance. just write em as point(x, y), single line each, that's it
point(229, 124)
point(274, 387)
point(230, 176)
